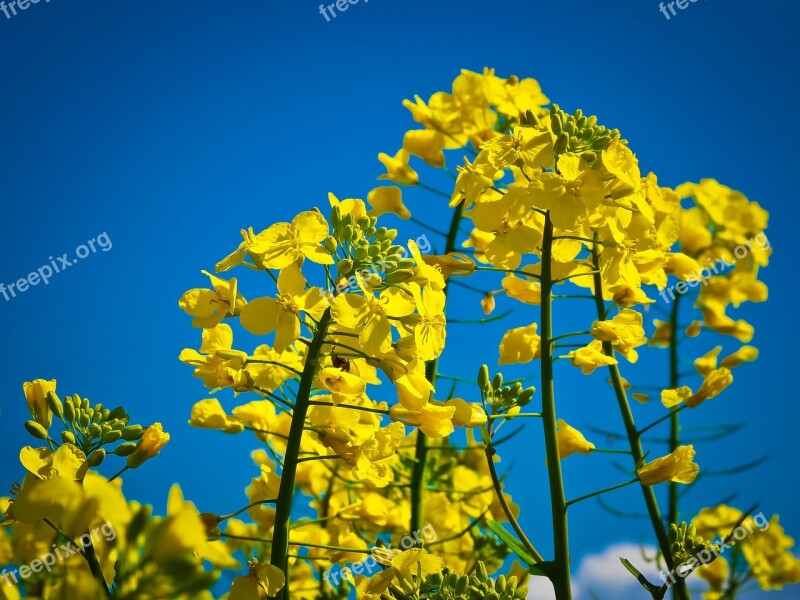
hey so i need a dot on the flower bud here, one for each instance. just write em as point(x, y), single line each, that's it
point(125, 449)
point(112, 436)
point(153, 440)
point(97, 458)
point(54, 402)
point(132, 432)
point(36, 396)
point(68, 438)
point(483, 378)
point(36, 430)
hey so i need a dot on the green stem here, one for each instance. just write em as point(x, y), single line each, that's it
point(603, 491)
point(558, 500)
point(634, 440)
point(674, 420)
point(283, 510)
point(421, 452)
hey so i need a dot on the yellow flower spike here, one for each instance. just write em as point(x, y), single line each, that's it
point(468, 414)
point(590, 357)
point(742, 355)
point(708, 362)
point(387, 199)
point(209, 414)
point(570, 441)
point(36, 396)
point(153, 440)
point(520, 345)
point(397, 168)
point(672, 398)
point(426, 144)
point(713, 385)
point(769, 554)
point(678, 467)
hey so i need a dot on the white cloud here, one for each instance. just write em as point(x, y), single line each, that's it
point(603, 575)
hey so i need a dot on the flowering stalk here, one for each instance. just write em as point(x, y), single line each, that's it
point(421, 451)
point(283, 509)
point(634, 438)
point(558, 500)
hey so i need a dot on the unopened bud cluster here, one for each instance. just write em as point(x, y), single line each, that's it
point(580, 134)
point(502, 398)
point(479, 586)
point(685, 543)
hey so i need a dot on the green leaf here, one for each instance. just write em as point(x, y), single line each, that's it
point(543, 569)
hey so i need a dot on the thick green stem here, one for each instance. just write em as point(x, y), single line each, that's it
point(674, 420)
point(634, 439)
point(558, 500)
point(421, 452)
point(283, 509)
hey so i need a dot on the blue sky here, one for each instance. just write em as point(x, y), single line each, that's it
point(172, 125)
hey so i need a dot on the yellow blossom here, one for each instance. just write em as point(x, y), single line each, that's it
point(678, 467)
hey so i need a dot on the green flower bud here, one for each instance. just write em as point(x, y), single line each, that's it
point(36, 430)
point(68, 438)
point(117, 413)
point(97, 458)
point(95, 431)
point(125, 449)
point(497, 382)
point(112, 436)
point(69, 410)
point(363, 223)
point(399, 276)
point(132, 432)
point(137, 524)
point(347, 233)
point(84, 420)
point(562, 143)
point(55, 404)
point(85, 406)
point(106, 414)
point(330, 244)
point(344, 266)
point(483, 383)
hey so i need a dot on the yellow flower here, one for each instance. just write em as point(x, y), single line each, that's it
point(769, 553)
point(282, 314)
point(370, 316)
point(387, 199)
point(426, 144)
point(529, 292)
point(283, 244)
point(434, 421)
point(68, 462)
point(712, 386)
point(153, 440)
point(624, 331)
point(590, 357)
point(468, 414)
point(693, 330)
point(210, 306)
point(520, 345)
point(209, 414)
point(531, 145)
point(570, 440)
point(36, 396)
point(678, 467)
point(350, 206)
point(263, 581)
point(397, 168)
point(715, 574)
point(742, 355)
point(708, 362)
point(429, 332)
point(340, 383)
point(672, 398)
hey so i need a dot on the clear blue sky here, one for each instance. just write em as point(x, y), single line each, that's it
point(171, 125)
